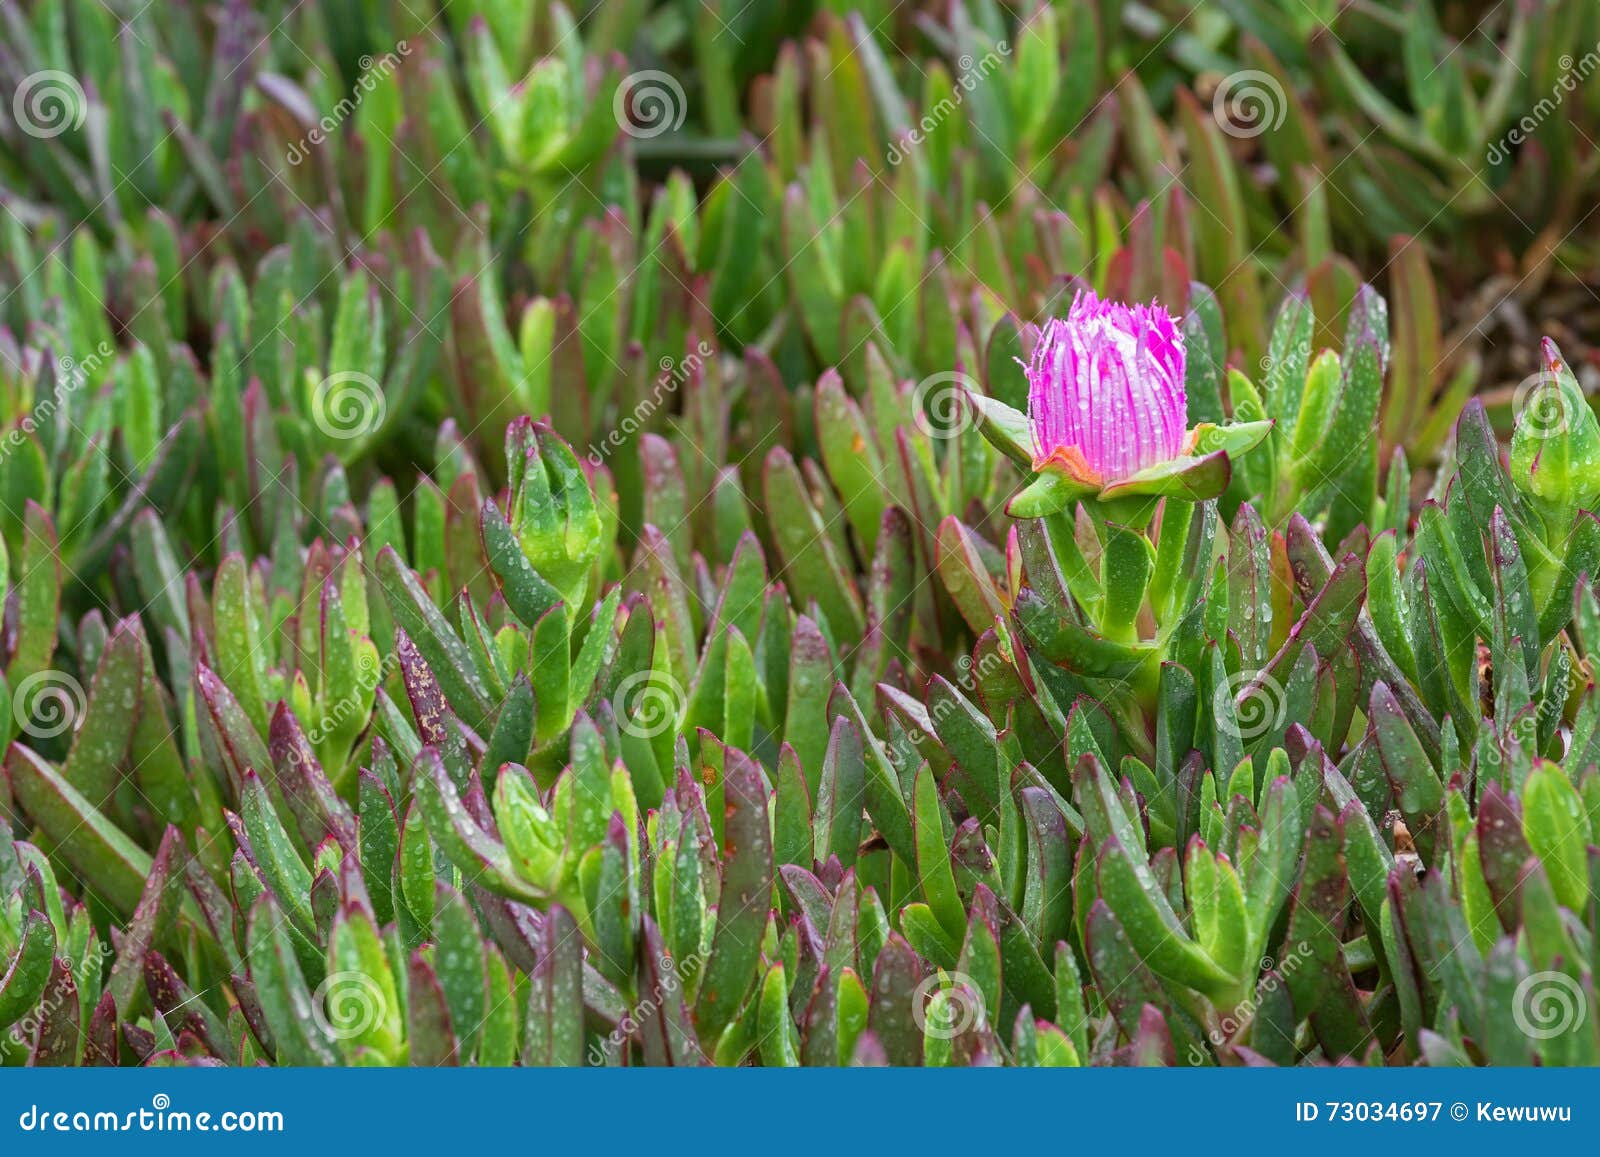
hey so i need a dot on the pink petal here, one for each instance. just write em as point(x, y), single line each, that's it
point(1107, 382)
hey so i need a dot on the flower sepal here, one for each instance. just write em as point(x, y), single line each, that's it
point(1195, 477)
point(1051, 491)
point(1192, 479)
point(1005, 428)
point(1202, 473)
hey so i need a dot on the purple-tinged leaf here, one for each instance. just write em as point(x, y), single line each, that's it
point(893, 1020)
point(433, 1042)
point(56, 1039)
point(316, 808)
point(153, 919)
point(100, 1038)
point(104, 858)
point(746, 896)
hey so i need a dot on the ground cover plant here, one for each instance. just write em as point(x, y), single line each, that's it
point(685, 533)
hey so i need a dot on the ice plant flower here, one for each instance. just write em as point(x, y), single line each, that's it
point(1106, 395)
point(1108, 415)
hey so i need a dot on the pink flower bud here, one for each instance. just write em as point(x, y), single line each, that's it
point(1106, 394)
